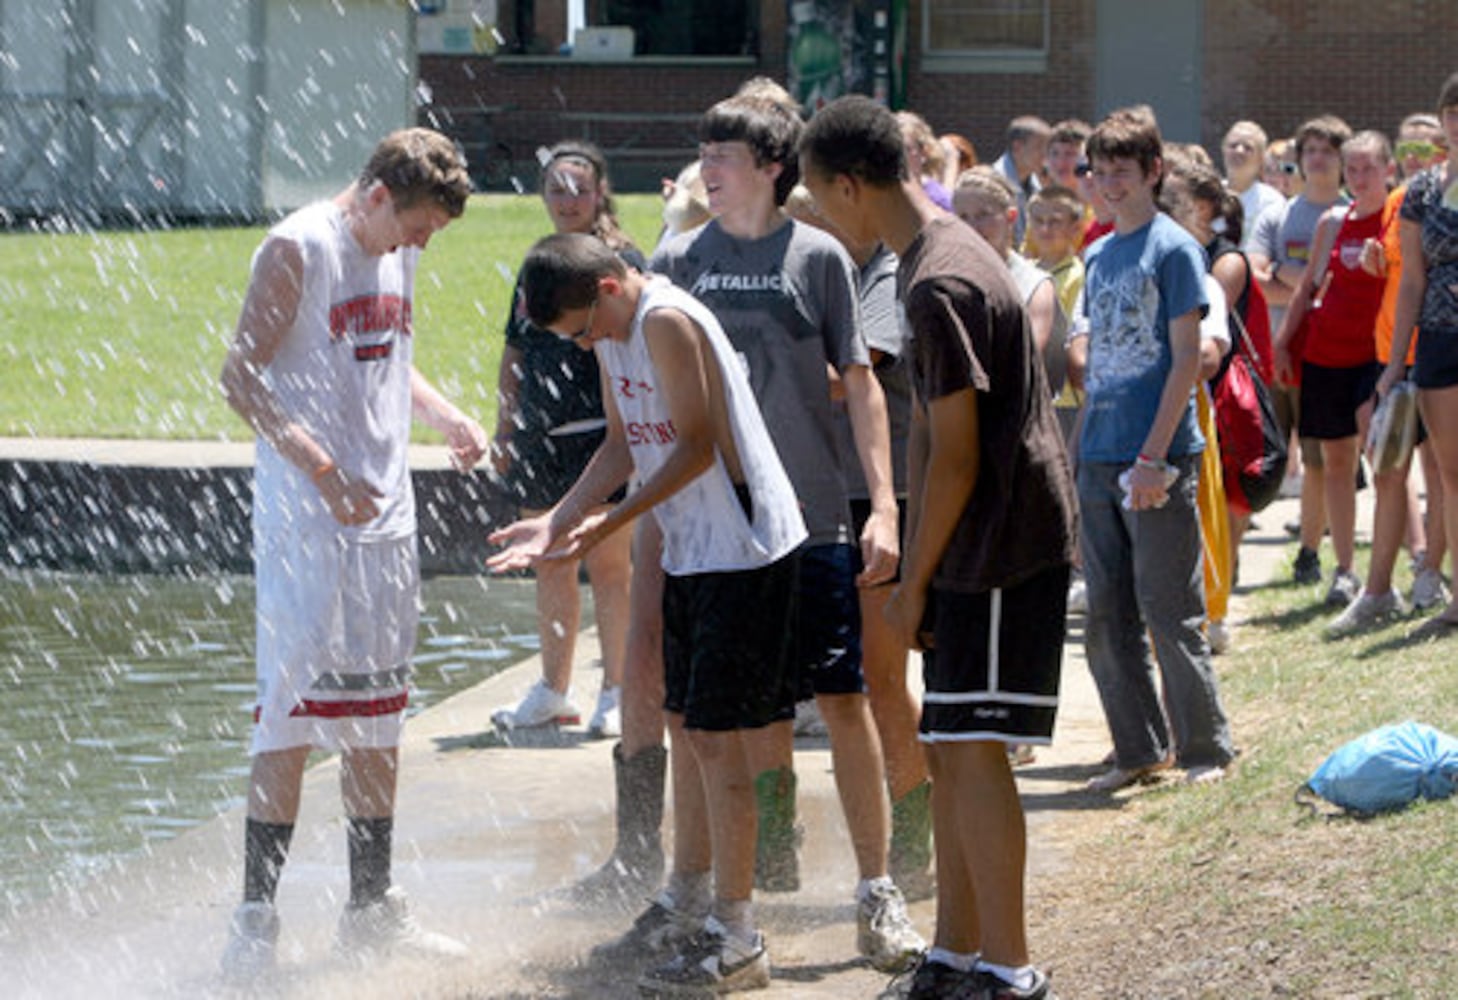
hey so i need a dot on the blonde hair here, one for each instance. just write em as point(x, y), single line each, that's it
point(918, 133)
point(990, 183)
point(688, 206)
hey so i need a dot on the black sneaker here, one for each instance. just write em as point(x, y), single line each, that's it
point(657, 932)
point(989, 986)
point(930, 981)
point(1307, 568)
point(709, 964)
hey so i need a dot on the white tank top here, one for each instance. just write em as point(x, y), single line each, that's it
point(344, 373)
point(705, 528)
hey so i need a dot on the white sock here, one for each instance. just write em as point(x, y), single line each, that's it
point(737, 916)
point(952, 959)
point(865, 885)
point(1021, 976)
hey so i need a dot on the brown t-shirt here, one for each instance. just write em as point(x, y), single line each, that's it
point(968, 329)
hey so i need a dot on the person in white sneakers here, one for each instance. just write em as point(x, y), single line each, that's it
point(548, 424)
point(683, 420)
point(321, 368)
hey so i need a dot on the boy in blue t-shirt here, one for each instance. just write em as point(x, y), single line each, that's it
point(1138, 471)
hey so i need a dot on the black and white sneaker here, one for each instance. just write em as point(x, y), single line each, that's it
point(658, 931)
point(990, 986)
point(710, 964)
point(930, 980)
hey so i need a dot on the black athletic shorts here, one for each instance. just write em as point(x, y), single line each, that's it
point(1435, 361)
point(728, 646)
point(828, 626)
point(1331, 397)
point(993, 675)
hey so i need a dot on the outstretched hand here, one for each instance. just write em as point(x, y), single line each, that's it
point(524, 542)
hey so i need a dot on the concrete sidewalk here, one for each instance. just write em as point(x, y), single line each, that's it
point(485, 834)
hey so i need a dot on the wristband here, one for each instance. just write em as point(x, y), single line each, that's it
point(1149, 462)
point(322, 470)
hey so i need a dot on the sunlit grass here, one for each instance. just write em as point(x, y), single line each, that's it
point(121, 334)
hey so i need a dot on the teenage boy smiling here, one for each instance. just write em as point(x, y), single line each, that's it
point(1138, 471)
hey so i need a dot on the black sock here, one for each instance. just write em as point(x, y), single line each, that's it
point(369, 859)
point(265, 846)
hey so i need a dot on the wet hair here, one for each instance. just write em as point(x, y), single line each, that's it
point(561, 272)
point(1328, 127)
point(1129, 134)
point(1063, 198)
point(584, 154)
point(916, 132)
point(1448, 96)
point(855, 136)
point(771, 130)
point(989, 182)
point(419, 165)
point(1369, 141)
point(1187, 176)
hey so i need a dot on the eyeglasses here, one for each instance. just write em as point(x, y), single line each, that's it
point(586, 330)
point(1286, 167)
point(1416, 148)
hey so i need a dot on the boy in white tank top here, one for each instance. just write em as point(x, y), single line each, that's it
point(683, 421)
point(321, 369)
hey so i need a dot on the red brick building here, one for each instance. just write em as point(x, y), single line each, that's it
point(968, 67)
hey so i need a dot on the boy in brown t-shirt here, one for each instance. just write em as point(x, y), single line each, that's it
point(985, 452)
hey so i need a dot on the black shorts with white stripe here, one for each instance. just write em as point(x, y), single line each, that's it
point(993, 674)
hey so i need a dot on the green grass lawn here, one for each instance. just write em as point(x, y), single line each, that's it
point(121, 334)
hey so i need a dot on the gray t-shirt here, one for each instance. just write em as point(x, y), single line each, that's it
point(1283, 234)
point(884, 321)
point(788, 304)
point(1254, 201)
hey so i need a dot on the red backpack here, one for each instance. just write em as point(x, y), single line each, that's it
point(1252, 448)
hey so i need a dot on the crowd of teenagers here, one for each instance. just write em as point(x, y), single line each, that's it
point(865, 396)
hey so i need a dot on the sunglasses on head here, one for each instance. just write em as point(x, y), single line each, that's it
point(1416, 147)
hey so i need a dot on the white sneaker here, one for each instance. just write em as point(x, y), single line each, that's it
point(1219, 635)
point(607, 718)
point(1366, 611)
point(884, 934)
point(1344, 589)
point(808, 720)
point(1428, 589)
point(541, 707)
point(386, 927)
point(1077, 596)
point(252, 943)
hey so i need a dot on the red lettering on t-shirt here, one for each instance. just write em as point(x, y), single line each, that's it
point(368, 314)
point(650, 432)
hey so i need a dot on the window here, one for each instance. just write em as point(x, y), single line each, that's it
point(686, 27)
point(993, 36)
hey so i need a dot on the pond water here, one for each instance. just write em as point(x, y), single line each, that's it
point(128, 704)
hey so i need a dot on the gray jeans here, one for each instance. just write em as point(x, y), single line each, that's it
point(1145, 583)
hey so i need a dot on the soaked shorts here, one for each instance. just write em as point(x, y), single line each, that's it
point(828, 627)
point(993, 674)
point(727, 646)
point(336, 630)
point(1331, 397)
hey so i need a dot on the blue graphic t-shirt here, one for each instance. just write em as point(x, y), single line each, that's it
point(1136, 282)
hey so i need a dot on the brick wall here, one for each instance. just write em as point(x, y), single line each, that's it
point(1276, 61)
point(1279, 62)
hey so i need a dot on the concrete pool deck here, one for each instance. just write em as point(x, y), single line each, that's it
point(485, 833)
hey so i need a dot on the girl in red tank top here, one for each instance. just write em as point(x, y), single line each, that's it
point(1343, 325)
